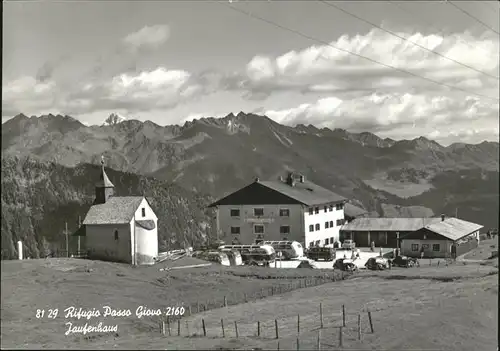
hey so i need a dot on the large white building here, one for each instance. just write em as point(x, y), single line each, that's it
point(290, 209)
point(120, 228)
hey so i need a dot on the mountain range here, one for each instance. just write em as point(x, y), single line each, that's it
point(209, 157)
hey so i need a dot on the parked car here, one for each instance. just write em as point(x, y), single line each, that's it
point(321, 253)
point(349, 244)
point(377, 263)
point(404, 261)
point(345, 264)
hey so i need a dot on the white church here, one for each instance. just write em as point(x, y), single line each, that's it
point(120, 228)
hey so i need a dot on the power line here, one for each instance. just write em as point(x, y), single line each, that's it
point(432, 25)
point(408, 40)
point(347, 51)
point(468, 14)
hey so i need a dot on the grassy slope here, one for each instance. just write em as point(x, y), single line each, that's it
point(414, 303)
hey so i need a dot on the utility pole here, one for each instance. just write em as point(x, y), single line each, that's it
point(67, 243)
point(79, 225)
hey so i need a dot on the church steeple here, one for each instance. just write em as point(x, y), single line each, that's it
point(104, 189)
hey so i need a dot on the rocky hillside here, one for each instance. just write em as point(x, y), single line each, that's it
point(38, 198)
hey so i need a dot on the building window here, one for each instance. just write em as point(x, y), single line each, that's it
point(436, 247)
point(327, 241)
point(316, 210)
point(331, 224)
point(331, 240)
point(258, 229)
point(414, 247)
point(284, 212)
point(331, 208)
point(326, 209)
point(284, 229)
point(116, 234)
point(235, 230)
point(258, 212)
point(317, 226)
point(235, 212)
point(326, 225)
point(311, 228)
point(339, 206)
point(311, 210)
point(143, 212)
point(318, 242)
point(311, 244)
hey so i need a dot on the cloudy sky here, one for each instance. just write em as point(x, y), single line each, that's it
point(431, 70)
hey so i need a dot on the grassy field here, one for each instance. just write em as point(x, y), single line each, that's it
point(453, 307)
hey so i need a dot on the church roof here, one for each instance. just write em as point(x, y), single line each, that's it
point(104, 181)
point(116, 210)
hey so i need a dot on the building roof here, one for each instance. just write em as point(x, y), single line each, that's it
point(116, 210)
point(453, 228)
point(388, 224)
point(104, 181)
point(307, 192)
point(353, 211)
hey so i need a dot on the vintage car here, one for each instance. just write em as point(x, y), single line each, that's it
point(321, 253)
point(377, 263)
point(345, 264)
point(404, 261)
point(348, 244)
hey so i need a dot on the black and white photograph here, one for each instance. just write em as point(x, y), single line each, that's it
point(250, 175)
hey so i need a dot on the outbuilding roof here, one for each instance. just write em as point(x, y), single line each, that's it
point(388, 224)
point(116, 210)
point(453, 228)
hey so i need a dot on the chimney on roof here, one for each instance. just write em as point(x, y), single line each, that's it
point(442, 217)
point(290, 180)
point(302, 178)
point(280, 178)
point(257, 179)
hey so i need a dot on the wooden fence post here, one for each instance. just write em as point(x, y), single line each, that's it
point(187, 328)
point(298, 324)
point(236, 329)
point(340, 336)
point(298, 343)
point(278, 346)
point(276, 327)
point(370, 319)
point(321, 315)
point(225, 301)
point(178, 327)
point(204, 329)
point(222, 326)
point(163, 330)
point(318, 346)
point(258, 328)
point(359, 327)
point(343, 315)
point(168, 323)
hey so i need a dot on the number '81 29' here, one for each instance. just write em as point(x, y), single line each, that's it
point(51, 314)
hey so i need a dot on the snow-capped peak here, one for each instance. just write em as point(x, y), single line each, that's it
point(113, 119)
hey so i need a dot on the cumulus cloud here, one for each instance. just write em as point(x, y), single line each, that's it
point(27, 95)
point(345, 91)
point(324, 69)
point(148, 37)
point(396, 114)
